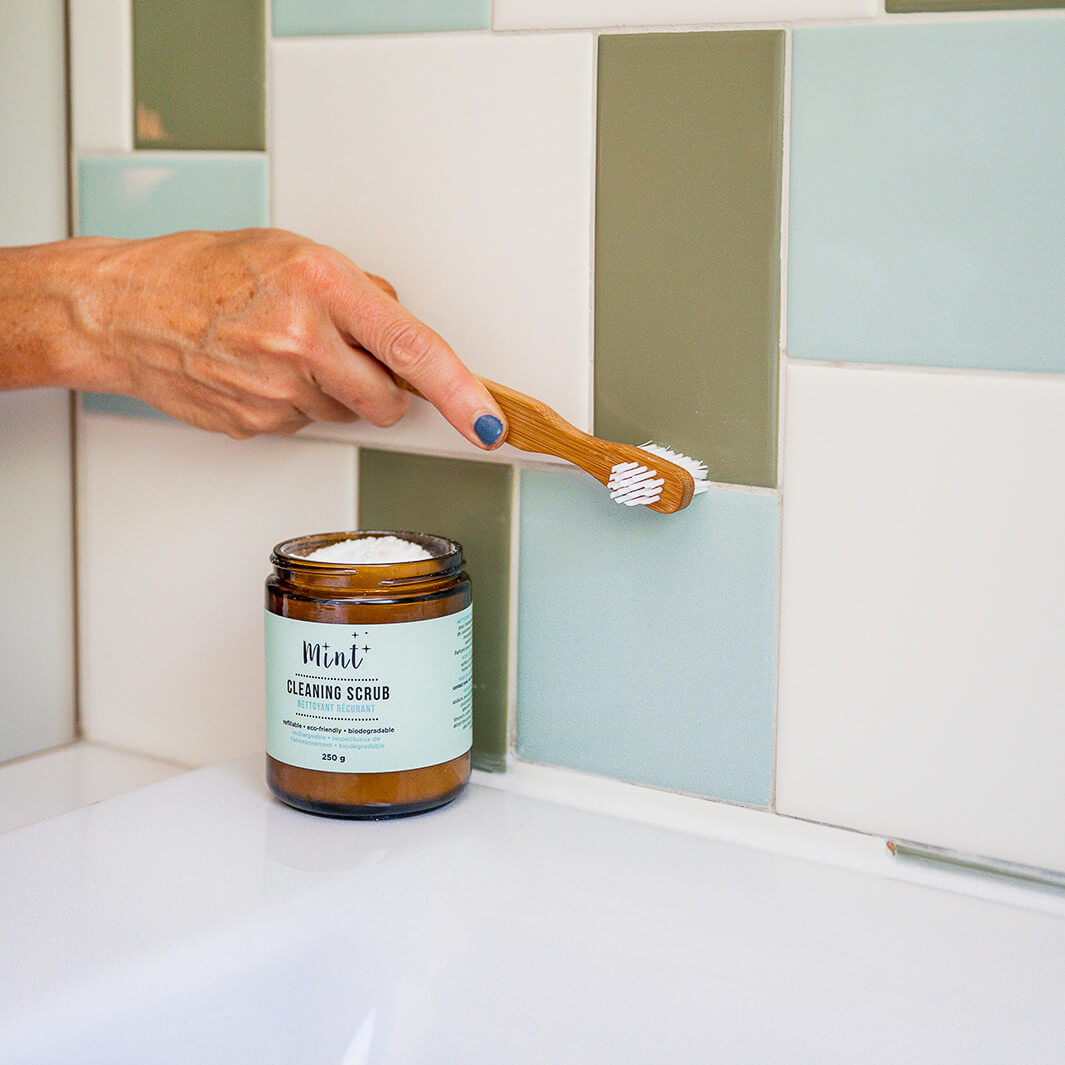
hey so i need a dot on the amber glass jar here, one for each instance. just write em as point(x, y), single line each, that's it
point(368, 679)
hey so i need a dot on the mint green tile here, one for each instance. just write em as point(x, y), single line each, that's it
point(312, 17)
point(469, 502)
point(927, 221)
point(647, 642)
point(687, 245)
point(150, 193)
point(199, 74)
point(900, 6)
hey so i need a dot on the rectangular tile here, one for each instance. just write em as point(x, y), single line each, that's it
point(687, 246)
point(101, 75)
point(560, 14)
point(647, 643)
point(149, 193)
point(305, 17)
point(923, 608)
point(146, 194)
point(468, 502)
point(33, 117)
point(37, 593)
point(479, 213)
point(926, 221)
point(199, 74)
point(175, 528)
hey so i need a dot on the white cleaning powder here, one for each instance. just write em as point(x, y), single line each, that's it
point(368, 550)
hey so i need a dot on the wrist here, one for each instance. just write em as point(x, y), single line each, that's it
point(49, 313)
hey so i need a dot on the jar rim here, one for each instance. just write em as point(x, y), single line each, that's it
point(446, 553)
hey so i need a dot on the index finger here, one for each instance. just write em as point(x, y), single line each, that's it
point(422, 358)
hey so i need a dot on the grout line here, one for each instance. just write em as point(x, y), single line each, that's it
point(513, 614)
point(881, 18)
point(755, 827)
point(72, 396)
point(939, 371)
point(782, 398)
point(593, 169)
point(268, 108)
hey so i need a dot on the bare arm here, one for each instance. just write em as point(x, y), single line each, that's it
point(256, 331)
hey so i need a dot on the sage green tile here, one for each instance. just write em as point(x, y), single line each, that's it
point(687, 245)
point(902, 6)
point(199, 74)
point(469, 502)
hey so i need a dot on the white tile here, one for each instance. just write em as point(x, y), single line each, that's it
point(33, 124)
point(563, 14)
point(459, 167)
point(101, 75)
point(37, 589)
point(922, 679)
point(175, 528)
point(47, 785)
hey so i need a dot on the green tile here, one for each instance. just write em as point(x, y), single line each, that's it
point(199, 74)
point(469, 502)
point(901, 6)
point(688, 245)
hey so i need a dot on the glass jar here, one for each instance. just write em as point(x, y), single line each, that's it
point(369, 681)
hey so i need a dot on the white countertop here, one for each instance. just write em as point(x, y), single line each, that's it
point(200, 920)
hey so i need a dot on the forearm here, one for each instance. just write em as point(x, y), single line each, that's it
point(238, 332)
point(49, 313)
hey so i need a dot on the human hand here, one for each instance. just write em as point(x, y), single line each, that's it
point(246, 332)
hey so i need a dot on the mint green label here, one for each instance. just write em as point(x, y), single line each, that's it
point(369, 698)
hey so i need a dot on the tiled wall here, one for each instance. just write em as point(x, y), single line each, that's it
point(828, 258)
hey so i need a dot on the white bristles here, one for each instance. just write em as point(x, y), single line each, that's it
point(633, 484)
point(696, 468)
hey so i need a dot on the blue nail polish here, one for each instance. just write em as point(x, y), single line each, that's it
point(488, 429)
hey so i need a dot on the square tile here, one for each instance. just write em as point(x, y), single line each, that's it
point(467, 185)
point(923, 608)
point(150, 193)
point(175, 528)
point(199, 74)
point(687, 246)
point(647, 642)
point(559, 14)
point(927, 225)
point(303, 17)
point(468, 502)
point(101, 75)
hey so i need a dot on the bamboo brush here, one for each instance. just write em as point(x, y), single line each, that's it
point(649, 476)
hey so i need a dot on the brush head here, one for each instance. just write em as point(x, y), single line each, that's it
point(633, 484)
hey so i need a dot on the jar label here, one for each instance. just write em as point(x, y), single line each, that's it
point(369, 698)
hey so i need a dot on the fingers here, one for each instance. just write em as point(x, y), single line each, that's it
point(412, 351)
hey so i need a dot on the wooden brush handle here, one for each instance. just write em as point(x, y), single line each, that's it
point(533, 426)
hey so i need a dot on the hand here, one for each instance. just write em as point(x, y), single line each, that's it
point(255, 331)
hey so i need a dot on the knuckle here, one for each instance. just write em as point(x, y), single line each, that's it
point(409, 348)
point(255, 422)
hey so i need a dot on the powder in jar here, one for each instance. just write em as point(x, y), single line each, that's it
point(370, 550)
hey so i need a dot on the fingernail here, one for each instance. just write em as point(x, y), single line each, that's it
point(488, 429)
